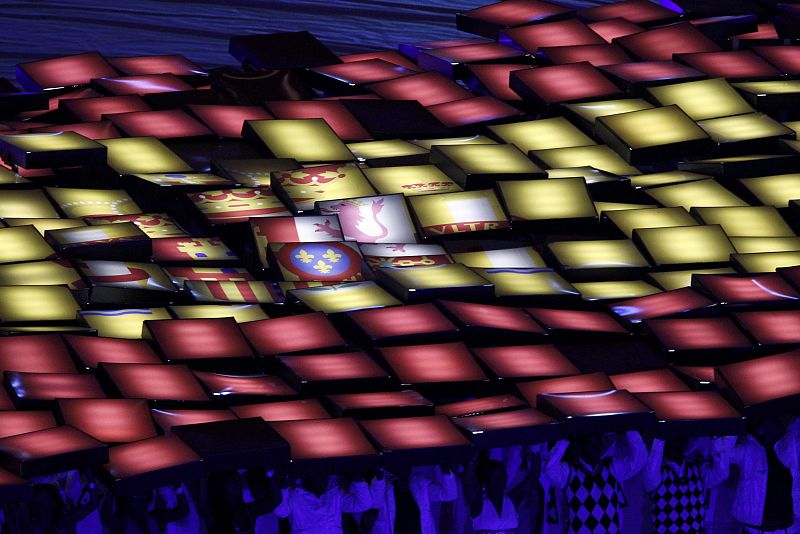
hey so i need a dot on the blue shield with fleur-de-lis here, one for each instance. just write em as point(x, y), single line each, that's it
point(320, 261)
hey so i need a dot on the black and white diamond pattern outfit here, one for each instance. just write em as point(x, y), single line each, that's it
point(593, 493)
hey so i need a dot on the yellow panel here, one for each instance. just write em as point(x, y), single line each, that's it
point(50, 142)
point(542, 134)
point(627, 289)
point(385, 149)
point(536, 200)
point(122, 323)
point(766, 262)
point(703, 193)
point(411, 180)
point(666, 178)
point(468, 211)
point(744, 127)
point(515, 258)
point(145, 155)
point(686, 244)
point(653, 127)
point(487, 159)
point(345, 297)
point(37, 303)
point(747, 221)
point(590, 111)
point(471, 140)
point(305, 140)
point(775, 190)
point(305, 186)
point(704, 99)
point(589, 174)
point(43, 225)
point(39, 273)
point(749, 245)
point(599, 156)
point(629, 220)
point(526, 282)
point(439, 276)
point(9, 177)
point(179, 179)
point(793, 125)
point(603, 207)
point(599, 254)
point(77, 203)
point(242, 313)
point(770, 87)
point(678, 279)
point(23, 243)
point(30, 203)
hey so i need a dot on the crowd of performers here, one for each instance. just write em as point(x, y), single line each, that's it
point(591, 484)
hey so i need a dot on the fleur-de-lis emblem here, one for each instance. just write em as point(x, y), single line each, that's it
point(322, 267)
point(332, 256)
point(304, 256)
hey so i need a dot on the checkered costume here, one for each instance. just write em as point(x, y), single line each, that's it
point(593, 499)
point(678, 503)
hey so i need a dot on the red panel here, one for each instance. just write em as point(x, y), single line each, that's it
point(443, 362)
point(168, 124)
point(144, 85)
point(509, 13)
point(345, 366)
point(698, 334)
point(577, 320)
point(563, 33)
point(569, 384)
point(13, 423)
point(95, 350)
point(365, 71)
point(149, 455)
point(495, 77)
point(688, 405)
point(768, 287)
point(766, 31)
point(45, 353)
point(50, 386)
point(702, 374)
point(472, 110)
point(429, 88)
point(155, 382)
point(47, 443)
point(415, 432)
point(382, 399)
point(596, 403)
point(651, 71)
point(109, 420)
point(637, 11)
point(785, 58)
point(324, 438)
point(402, 321)
point(474, 52)
point(338, 117)
point(566, 83)
point(311, 331)
point(482, 405)
point(167, 64)
point(488, 316)
point(221, 384)
point(391, 56)
point(649, 381)
point(764, 379)
point(612, 28)
point(526, 361)
point(64, 71)
point(227, 121)
point(92, 130)
point(660, 304)
point(597, 55)
point(659, 44)
point(166, 419)
point(294, 410)
point(772, 327)
point(505, 420)
point(92, 109)
point(731, 64)
point(195, 339)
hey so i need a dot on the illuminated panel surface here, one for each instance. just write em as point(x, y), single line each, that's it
point(155, 382)
point(381, 399)
point(193, 339)
point(35, 354)
point(481, 405)
point(293, 410)
point(660, 305)
point(486, 316)
point(150, 456)
point(746, 289)
point(561, 33)
point(428, 89)
point(41, 452)
point(762, 379)
point(569, 384)
point(414, 433)
point(689, 405)
point(444, 362)
point(143, 84)
point(324, 367)
point(307, 332)
point(109, 420)
point(563, 83)
point(772, 327)
point(698, 334)
point(166, 419)
point(577, 320)
point(661, 43)
point(324, 438)
point(649, 381)
point(64, 71)
point(224, 384)
point(13, 423)
point(165, 64)
point(417, 319)
point(51, 386)
point(526, 361)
